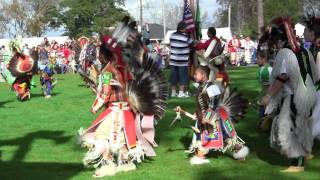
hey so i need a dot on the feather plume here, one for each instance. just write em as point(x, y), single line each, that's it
point(234, 104)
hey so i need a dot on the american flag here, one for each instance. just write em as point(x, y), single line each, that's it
point(188, 17)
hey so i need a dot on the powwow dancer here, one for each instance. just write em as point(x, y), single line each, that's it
point(312, 34)
point(88, 60)
point(291, 95)
point(22, 67)
point(215, 113)
point(47, 81)
point(133, 92)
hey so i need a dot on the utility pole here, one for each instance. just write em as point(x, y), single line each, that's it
point(260, 16)
point(141, 15)
point(164, 20)
point(229, 17)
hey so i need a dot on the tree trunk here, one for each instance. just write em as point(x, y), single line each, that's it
point(260, 16)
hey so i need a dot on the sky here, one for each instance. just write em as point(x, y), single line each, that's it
point(132, 6)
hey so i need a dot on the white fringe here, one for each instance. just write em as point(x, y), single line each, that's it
point(196, 145)
point(137, 154)
point(305, 96)
point(98, 148)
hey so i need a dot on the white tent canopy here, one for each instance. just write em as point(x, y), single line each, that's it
point(299, 29)
point(36, 40)
point(221, 32)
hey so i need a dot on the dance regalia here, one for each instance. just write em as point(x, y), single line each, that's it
point(291, 132)
point(312, 21)
point(23, 67)
point(316, 110)
point(221, 110)
point(133, 96)
point(21, 86)
point(47, 81)
point(115, 127)
point(88, 59)
point(6, 59)
point(213, 58)
point(291, 128)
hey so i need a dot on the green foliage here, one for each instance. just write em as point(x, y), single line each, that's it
point(275, 8)
point(38, 139)
point(244, 13)
point(82, 17)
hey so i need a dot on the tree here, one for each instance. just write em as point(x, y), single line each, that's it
point(260, 15)
point(3, 22)
point(38, 11)
point(25, 17)
point(82, 17)
point(245, 13)
point(173, 14)
point(311, 6)
point(205, 21)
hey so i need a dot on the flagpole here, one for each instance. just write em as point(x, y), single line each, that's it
point(192, 7)
point(164, 21)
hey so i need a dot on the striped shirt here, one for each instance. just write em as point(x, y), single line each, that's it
point(179, 49)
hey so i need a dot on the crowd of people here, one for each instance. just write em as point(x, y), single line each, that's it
point(60, 56)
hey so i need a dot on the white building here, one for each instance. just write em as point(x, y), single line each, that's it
point(36, 40)
point(221, 32)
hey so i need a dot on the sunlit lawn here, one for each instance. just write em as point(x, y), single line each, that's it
point(38, 139)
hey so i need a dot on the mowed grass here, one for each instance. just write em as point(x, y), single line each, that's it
point(38, 139)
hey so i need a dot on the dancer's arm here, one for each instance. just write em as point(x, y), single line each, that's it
point(275, 88)
point(102, 98)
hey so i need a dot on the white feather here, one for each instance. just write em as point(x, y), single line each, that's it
point(242, 153)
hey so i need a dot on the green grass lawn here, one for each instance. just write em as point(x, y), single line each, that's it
point(38, 139)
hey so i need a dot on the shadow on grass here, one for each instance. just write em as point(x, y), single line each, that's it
point(4, 103)
point(36, 95)
point(39, 170)
point(24, 143)
point(82, 85)
point(258, 141)
point(36, 170)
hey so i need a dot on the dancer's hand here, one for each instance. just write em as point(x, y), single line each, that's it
point(178, 109)
point(93, 111)
point(114, 82)
point(195, 116)
point(266, 100)
point(204, 121)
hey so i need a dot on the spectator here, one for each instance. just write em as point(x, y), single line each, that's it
point(248, 46)
point(180, 44)
point(2, 65)
point(205, 55)
point(233, 45)
point(149, 45)
point(264, 75)
point(43, 57)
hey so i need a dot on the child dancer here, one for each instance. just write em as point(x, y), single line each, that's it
point(47, 81)
point(214, 128)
